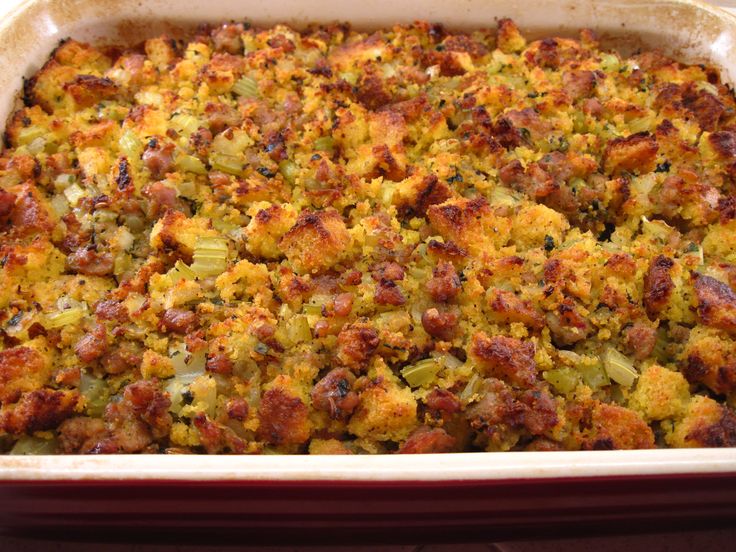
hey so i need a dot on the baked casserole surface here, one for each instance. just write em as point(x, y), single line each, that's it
point(326, 241)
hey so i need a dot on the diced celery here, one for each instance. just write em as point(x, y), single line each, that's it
point(247, 87)
point(325, 143)
point(421, 373)
point(640, 124)
point(289, 170)
point(210, 256)
point(63, 318)
point(96, 394)
point(610, 63)
point(60, 205)
point(564, 380)
point(619, 368)
point(33, 446)
point(130, 145)
point(298, 330)
point(229, 164)
point(122, 263)
point(74, 193)
point(185, 123)
point(594, 376)
point(181, 272)
point(191, 164)
point(28, 134)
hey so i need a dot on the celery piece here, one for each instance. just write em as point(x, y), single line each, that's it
point(288, 170)
point(210, 256)
point(181, 272)
point(191, 164)
point(298, 330)
point(63, 318)
point(564, 380)
point(325, 143)
point(74, 193)
point(130, 145)
point(33, 446)
point(594, 376)
point(96, 394)
point(246, 87)
point(421, 373)
point(28, 134)
point(185, 123)
point(619, 368)
point(229, 164)
point(610, 63)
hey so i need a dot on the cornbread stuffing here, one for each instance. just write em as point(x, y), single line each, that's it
point(264, 240)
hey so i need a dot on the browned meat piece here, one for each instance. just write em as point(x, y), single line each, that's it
point(38, 410)
point(221, 116)
point(426, 440)
point(226, 38)
point(389, 293)
point(111, 310)
point(579, 84)
point(87, 260)
point(440, 325)
point(334, 394)
point(343, 304)
point(93, 345)
point(445, 283)
point(507, 307)
point(658, 285)
point(639, 340)
point(219, 364)
point(178, 321)
point(81, 435)
point(356, 344)
point(217, 438)
point(159, 158)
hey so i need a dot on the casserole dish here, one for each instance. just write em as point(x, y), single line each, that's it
point(477, 491)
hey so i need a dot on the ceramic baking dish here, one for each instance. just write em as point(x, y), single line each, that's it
point(427, 496)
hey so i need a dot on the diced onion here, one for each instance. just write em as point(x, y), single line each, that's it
point(422, 373)
point(37, 146)
point(471, 389)
point(619, 368)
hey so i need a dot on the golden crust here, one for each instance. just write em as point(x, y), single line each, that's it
point(264, 240)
